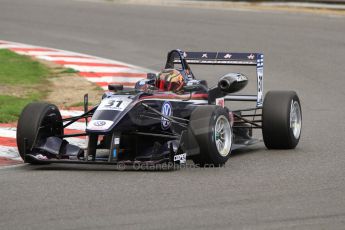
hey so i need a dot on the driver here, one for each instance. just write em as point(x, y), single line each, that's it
point(170, 80)
point(167, 80)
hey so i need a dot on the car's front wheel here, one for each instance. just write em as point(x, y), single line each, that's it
point(211, 127)
point(38, 120)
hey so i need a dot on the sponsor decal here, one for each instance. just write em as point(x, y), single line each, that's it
point(116, 141)
point(233, 62)
point(241, 77)
point(182, 158)
point(204, 56)
point(167, 111)
point(227, 56)
point(260, 78)
point(260, 62)
point(260, 75)
point(41, 157)
point(251, 56)
point(115, 103)
point(193, 82)
point(99, 125)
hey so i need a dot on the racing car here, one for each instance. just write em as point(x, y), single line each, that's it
point(168, 117)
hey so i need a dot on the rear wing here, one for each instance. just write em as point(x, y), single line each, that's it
point(223, 58)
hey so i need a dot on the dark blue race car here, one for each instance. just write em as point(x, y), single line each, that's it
point(168, 117)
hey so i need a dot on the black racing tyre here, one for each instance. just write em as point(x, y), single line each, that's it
point(281, 120)
point(211, 127)
point(38, 120)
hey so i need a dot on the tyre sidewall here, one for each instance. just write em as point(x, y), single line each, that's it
point(203, 122)
point(213, 151)
point(276, 130)
point(30, 121)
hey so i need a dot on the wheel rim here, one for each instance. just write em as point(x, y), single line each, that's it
point(223, 136)
point(295, 119)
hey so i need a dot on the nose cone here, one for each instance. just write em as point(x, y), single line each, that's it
point(110, 111)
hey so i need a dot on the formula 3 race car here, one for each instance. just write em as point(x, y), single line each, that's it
point(152, 124)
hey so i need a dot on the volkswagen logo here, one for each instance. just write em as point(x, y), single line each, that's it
point(99, 123)
point(167, 111)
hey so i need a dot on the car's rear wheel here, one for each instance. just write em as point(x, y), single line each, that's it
point(212, 130)
point(281, 120)
point(38, 120)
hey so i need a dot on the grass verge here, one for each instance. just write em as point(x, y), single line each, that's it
point(11, 106)
point(18, 69)
point(24, 80)
point(19, 77)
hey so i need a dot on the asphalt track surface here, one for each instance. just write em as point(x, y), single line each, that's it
point(257, 189)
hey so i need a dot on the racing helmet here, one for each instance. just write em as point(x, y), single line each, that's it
point(170, 80)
